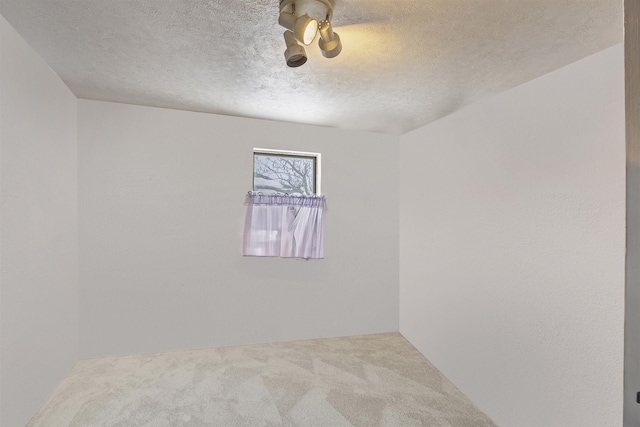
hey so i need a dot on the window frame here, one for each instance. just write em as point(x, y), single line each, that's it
point(317, 159)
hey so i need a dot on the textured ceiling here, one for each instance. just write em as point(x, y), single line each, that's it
point(404, 63)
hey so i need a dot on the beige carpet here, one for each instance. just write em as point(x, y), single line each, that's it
point(372, 380)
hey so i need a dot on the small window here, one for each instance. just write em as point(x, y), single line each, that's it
point(286, 172)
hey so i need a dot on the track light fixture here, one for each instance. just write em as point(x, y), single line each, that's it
point(303, 28)
point(299, 18)
point(295, 54)
point(329, 41)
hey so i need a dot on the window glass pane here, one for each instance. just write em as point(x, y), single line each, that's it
point(294, 175)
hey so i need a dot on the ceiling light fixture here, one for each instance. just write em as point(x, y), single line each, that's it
point(295, 54)
point(304, 28)
point(329, 41)
point(299, 18)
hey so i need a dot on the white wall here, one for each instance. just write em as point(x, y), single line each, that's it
point(39, 234)
point(512, 247)
point(161, 202)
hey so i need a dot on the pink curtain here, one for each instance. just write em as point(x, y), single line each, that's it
point(284, 226)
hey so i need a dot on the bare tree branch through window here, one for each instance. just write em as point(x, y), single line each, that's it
point(275, 174)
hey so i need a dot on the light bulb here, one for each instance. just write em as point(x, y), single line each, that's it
point(310, 31)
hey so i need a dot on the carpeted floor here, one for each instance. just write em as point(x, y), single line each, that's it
point(371, 380)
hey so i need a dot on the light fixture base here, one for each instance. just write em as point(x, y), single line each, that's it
point(317, 9)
